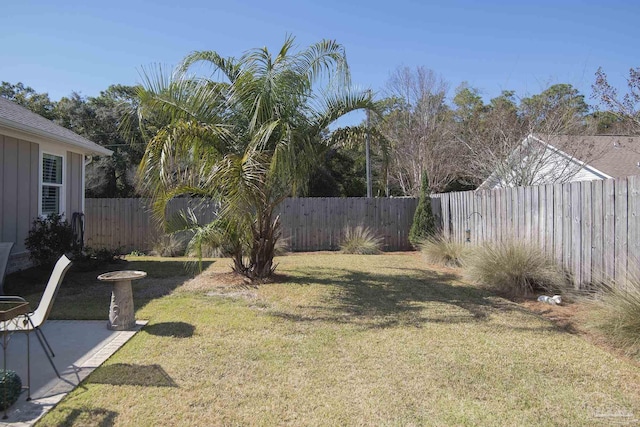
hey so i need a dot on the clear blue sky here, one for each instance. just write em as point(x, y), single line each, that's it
point(84, 46)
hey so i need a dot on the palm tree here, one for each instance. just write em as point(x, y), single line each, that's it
point(246, 136)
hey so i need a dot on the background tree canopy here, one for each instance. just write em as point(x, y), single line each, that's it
point(98, 119)
point(455, 136)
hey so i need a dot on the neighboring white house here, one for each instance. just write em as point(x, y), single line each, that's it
point(42, 171)
point(549, 159)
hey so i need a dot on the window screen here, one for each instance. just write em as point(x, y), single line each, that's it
point(51, 184)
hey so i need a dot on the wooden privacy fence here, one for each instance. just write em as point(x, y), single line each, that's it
point(128, 224)
point(308, 224)
point(592, 228)
point(318, 223)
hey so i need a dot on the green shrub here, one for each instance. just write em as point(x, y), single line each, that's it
point(424, 224)
point(13, 384)
point(615, 312)
point(90, 258)
point(104, 255)
point(48, 239)
point(515, 268)
point(441, 250)
point(360, 240)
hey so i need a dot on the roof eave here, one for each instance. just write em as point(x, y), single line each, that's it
point(38, 132)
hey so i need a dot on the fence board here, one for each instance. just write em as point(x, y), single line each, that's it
point(520, 214)
point(586, 227)
point(549, 210)
point(621, 230)
point(528, 213)
point(510, 229)
point(500, 213)
point(566, 226)
point(537, 215)
point(609, 228)
point(575, 236)
point(597, 238)
point(633, 222)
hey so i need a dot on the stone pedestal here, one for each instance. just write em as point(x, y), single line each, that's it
point(121, 313)
point(121, 317)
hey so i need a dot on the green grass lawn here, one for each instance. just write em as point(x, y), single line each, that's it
point(342, 340)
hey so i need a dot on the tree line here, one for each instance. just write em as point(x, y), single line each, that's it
point(419, 126)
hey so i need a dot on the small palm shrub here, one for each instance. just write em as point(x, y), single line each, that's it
point(615, 312)
point(515, 269)
point(360, 240)
point(441, 250)
point(13, 384)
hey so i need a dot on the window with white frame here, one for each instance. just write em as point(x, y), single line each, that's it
point(52, 190)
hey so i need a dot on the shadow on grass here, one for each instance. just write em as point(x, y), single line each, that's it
point(413, 297)
point(170, 329)
point(83, 297)
point(96, 417)
point(127, 374)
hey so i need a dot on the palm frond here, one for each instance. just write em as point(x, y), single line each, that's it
point(325, 59)
point(332, 106)
point(227, 66)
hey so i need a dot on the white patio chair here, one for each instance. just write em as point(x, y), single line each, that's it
point(5, 250)
point(33, 321)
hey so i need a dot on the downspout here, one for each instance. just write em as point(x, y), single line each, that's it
point(87, 161)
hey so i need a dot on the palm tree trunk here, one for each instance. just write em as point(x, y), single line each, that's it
point(266, 233)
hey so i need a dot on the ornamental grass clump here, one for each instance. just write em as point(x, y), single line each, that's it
point(360, 240)
point(169, 245)
point(441, 250)
point(515, 269)
point(615, 312)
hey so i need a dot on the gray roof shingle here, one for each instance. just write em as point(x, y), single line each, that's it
point(617, 156)
point(17, 117)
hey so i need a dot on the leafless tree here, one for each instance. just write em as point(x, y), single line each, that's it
point(625, 107)
point(416, 126)
point(529, 141)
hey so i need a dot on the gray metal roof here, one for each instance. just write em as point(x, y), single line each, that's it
point(19, 118)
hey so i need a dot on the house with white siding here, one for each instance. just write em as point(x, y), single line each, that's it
point(550, 159)
point(42, 171)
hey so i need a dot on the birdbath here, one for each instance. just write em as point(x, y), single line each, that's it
point(121, 316)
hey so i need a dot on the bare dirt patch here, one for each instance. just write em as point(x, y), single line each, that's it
point(566, 316)
point(572, 318)
point(213, 282)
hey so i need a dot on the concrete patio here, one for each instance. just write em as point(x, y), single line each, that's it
point(80, 347)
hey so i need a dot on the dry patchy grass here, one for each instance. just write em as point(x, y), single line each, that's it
point(351, 340)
